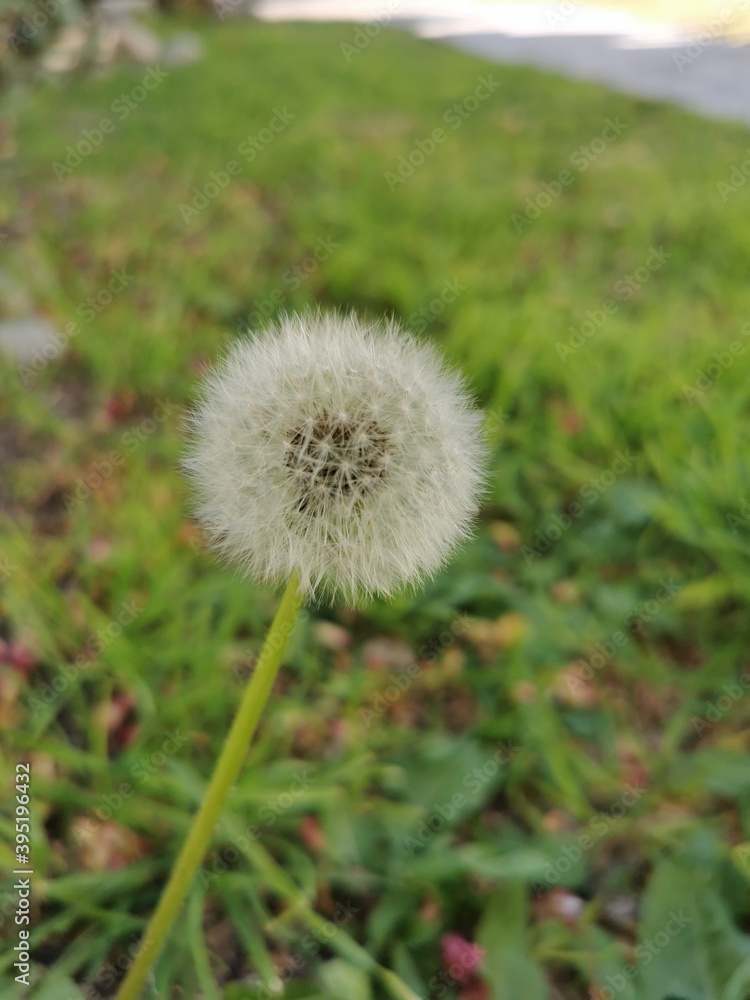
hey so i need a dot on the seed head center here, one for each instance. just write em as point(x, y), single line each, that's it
point(333, 457)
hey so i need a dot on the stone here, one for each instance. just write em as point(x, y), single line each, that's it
point(182, 49)
point(22, 338)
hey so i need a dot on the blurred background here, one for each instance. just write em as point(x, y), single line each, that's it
point(528, 781)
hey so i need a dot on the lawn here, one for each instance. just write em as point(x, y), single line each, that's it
point(545, 752)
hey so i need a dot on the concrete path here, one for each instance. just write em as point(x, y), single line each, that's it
point(692, 68)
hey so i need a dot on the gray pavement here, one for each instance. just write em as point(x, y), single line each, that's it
point(716, 83)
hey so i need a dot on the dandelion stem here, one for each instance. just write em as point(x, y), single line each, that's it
point(224, 776)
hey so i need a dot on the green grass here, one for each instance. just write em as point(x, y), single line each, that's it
point(554, 812)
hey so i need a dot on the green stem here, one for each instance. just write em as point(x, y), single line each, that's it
point(224, 776)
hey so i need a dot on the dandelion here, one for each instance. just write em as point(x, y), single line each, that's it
point(338, 449)
point(339, 458)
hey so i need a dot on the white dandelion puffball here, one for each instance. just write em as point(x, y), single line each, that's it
point(337, 449)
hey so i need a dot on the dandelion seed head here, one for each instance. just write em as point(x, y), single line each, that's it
point(339, 449)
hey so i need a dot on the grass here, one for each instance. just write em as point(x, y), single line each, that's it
point(545, 752)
